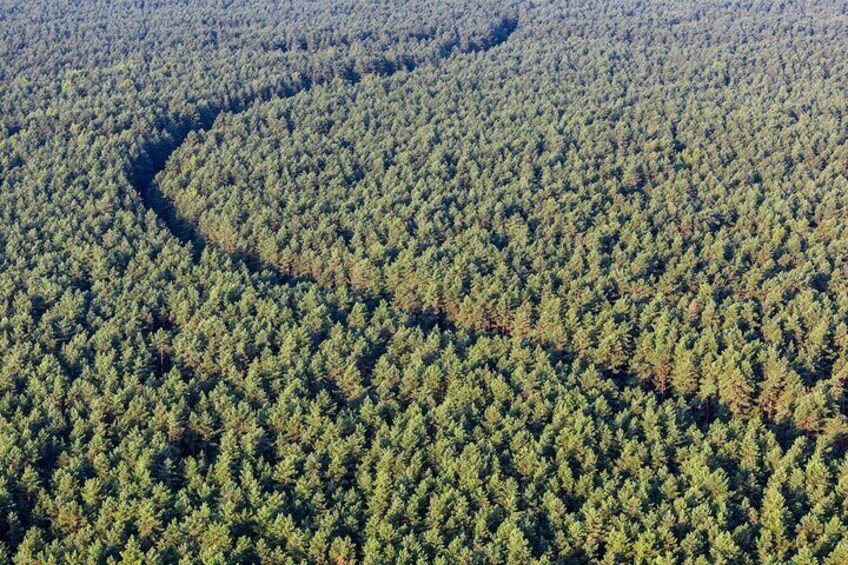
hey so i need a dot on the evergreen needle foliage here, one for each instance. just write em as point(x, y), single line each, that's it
point(423, 281)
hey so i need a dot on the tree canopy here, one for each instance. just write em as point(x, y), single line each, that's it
point(433, 282)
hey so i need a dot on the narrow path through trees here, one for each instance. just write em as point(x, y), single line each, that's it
point(143, 173)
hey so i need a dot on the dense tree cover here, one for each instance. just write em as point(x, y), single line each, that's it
point(665, 201)
point(163, 405)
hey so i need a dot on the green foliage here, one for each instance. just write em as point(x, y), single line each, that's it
point(430, 282)
point(592, 195)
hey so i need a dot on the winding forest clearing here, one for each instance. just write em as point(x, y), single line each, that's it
point(371, 281)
